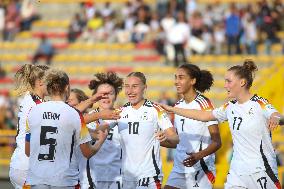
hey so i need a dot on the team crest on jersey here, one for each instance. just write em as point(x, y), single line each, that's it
point(250, 111)
point(144, 117)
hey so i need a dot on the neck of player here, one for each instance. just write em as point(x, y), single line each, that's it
point(58, 98)
point(244, 96)
point(190, 95)
point(139, 104)
point(39, 93)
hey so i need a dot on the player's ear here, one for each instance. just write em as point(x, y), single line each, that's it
point(193, 81)
point(243, 82)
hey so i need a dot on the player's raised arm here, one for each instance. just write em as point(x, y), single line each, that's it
point(104, 114)
point(200, 115)
point(275, 119)
point(82, 106)
point(89, 150)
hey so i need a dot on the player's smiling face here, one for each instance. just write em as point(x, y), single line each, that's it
point(110, 94)
point(183, 82)
point(233, 84)
point(134, 89)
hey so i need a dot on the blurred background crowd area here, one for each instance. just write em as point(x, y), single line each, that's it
point(219, 25)
point(83, 37)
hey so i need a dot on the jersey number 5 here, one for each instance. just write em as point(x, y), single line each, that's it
point(133, 127)
point(47, 141)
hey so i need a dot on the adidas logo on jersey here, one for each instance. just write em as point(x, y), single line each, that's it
point(126, 116)
point(196, 186)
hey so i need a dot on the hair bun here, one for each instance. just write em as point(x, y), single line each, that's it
point(250, 65)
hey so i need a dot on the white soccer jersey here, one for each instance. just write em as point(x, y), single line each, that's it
point(106, 164)
point(140, 148)
point(252, 145)
point(19, 159)
point(56, 130)
point(194, 136)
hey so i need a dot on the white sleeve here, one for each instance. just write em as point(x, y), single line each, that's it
point(209, 123)
point(164, 121)
point(221, 113)
point(268, 109)
point(95, 124)
point(84, 135)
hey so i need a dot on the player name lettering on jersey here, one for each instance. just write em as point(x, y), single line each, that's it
point(50, 115)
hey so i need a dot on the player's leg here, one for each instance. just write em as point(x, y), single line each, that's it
point(176, 181)
point(17, 178)
point(235, 182)
point(264, 180)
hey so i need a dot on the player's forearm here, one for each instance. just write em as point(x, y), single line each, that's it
point(212, 148)
point(96, 147)
point(84, 105)
point(92, 117)
point(195, 114)
point(27, 148)
point(170, 142)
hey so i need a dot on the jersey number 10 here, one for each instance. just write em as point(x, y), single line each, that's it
point(133, 127)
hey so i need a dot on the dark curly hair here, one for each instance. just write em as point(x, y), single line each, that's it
point(204, 79)
point(110, 78)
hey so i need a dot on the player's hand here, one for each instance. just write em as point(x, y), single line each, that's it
point(99, 135)
point(102, 135)
point(109, 114)
point(192, 159)
point(98, 96)
point(273, 122)
point(168, 108)
point(161, 136)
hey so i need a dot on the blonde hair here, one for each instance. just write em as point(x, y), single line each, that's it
point(26, 76)
point(56, 81)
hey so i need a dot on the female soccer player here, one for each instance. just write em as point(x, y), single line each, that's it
point(198, 139)
point(104, 169)
point(76, 96)
point(29, 82)
point(52, 138)
point(254, 161)
point(140, 128)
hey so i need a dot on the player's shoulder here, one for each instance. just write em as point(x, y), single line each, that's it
point(71, 109)
point(229, 104)
point(258, 99)
point(153, 106)
point(179, 102)
point(204, 102)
